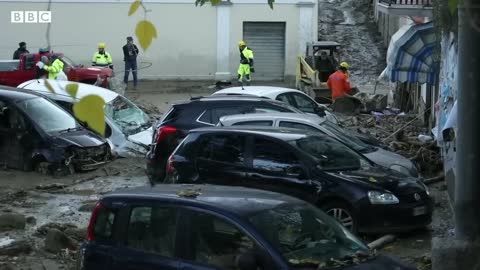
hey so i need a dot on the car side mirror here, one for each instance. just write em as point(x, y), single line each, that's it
point(320, 111)
point(448, 134)
point(246, 261)
point(295, 171)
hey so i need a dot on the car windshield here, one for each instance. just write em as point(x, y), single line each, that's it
point(343, 135)
point(127, 116)
point(47, 115)
point(330, 154)
point(305, 235)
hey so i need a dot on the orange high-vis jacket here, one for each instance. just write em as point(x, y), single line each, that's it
point(339, 84)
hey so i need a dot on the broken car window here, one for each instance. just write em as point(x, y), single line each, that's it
point(47, 115)
point(127, 115)
point(302, 232)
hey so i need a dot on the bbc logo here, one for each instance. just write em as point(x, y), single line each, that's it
point(30, 17)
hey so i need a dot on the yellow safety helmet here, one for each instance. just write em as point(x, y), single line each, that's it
point(242, 43)
point(345, 65)
point(101, 45)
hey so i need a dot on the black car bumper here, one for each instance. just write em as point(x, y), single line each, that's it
point(394, 218)
point(155, 169)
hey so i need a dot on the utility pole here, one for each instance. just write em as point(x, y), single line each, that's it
point(467, 184)
point(462, 252)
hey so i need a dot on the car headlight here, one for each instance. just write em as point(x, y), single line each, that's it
point(377, 197)
point(401, 169)
point(425, 187)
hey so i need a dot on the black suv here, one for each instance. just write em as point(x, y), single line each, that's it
point(363, 196)
point(195, 113)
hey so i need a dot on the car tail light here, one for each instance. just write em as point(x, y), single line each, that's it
point(93, 220)
point(163, 132)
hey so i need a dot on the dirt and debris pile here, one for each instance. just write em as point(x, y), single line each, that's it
point(11, 247)
point(61, 236)
point(400, 133)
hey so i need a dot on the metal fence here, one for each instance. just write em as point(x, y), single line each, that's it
point(408, 2)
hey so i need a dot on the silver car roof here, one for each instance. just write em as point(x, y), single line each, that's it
point(294, 117)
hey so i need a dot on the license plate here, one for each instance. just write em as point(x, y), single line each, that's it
point(418, 211)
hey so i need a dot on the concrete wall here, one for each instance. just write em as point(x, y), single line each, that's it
point(186, 47)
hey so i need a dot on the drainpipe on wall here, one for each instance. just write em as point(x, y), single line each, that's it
point(467, 190)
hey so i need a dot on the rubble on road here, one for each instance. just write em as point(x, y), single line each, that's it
point(56, 241)
point(392, 129)
point(12, 221)
point(11, 247)
point(151, 110)
point(49, 187)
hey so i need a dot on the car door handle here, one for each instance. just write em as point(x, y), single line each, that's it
point(255, 176)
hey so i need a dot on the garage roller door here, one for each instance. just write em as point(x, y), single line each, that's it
point(267, 40)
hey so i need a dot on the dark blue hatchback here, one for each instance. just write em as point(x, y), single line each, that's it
point(214, 227)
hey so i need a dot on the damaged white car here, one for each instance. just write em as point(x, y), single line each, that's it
point(129, 129)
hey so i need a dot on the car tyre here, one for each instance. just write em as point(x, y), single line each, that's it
point(343, 213)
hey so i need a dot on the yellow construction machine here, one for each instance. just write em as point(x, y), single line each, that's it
point(313, 69)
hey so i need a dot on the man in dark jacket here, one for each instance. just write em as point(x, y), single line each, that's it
point(22, 49)
point(130, 52)
point(42, 73)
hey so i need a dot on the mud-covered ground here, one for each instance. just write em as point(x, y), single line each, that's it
point(41, 215)
point(351, 23)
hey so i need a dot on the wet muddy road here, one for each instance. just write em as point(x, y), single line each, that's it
point(34, 207)
point(351, 23)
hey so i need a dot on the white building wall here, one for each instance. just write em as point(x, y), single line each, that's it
point(186, 48)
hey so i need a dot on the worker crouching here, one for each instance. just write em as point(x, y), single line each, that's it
point(339, 83)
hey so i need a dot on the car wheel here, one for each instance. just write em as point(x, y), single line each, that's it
point(343, 214)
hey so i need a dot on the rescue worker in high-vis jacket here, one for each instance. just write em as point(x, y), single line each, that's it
point(102, 58)
point(55, 67)
point(339, 83)
point(246, 63)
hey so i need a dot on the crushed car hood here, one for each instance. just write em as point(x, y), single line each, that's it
point(135, 145)
point(384, 178)
point(143, 138)
point(81, 138)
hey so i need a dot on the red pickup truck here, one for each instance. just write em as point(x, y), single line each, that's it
point(15, 72)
